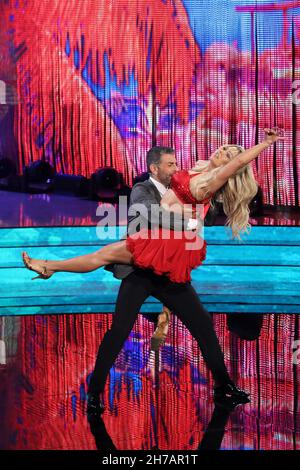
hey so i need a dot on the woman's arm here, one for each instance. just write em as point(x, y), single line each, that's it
point(238, 162)
point(170, 202)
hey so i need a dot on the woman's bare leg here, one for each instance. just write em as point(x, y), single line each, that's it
point(113, 253)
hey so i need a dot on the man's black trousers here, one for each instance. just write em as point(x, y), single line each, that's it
point(181, 299)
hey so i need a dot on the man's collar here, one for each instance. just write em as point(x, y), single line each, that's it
point(159, 186)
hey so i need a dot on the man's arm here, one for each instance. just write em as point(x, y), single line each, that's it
point(157, 215)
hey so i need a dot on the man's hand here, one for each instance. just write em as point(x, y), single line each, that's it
point(274, 134)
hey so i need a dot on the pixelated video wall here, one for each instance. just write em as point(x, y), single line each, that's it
point(99, 82)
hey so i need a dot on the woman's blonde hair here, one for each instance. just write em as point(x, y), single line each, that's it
point(235, 195)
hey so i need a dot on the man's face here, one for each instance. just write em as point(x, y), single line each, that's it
point(165, 169)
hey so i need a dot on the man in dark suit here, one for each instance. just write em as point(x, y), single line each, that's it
point(138, 284)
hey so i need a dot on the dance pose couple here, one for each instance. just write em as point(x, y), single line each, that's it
point(161, 265)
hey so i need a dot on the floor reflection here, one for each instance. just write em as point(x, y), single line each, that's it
point(152, 403)
point(211, 440)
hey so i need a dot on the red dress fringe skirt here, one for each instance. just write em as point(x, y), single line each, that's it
point(164, 253)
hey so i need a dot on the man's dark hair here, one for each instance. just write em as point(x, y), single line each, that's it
point(155, 153)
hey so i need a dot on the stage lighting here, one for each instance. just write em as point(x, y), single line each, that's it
point(38, 177)
point(107, 185)
point(140, 178)
point(245, 325)
point(71, 184)
point(9, 180)
point(7, 168)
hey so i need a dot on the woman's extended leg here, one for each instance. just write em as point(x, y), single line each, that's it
point(113, 253)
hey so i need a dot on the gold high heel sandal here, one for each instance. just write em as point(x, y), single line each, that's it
point(160, 334)
point(42, 274)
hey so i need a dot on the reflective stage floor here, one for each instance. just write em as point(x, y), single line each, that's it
point(153, 402)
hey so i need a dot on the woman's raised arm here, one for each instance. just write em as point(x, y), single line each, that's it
point(241, 160)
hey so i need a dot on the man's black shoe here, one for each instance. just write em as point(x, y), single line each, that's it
point(95, 406)
point(230, 393)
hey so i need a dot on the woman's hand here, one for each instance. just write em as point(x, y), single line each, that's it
point(186, 209)
point(274, 134)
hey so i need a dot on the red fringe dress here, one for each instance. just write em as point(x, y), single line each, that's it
point(161, 250)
